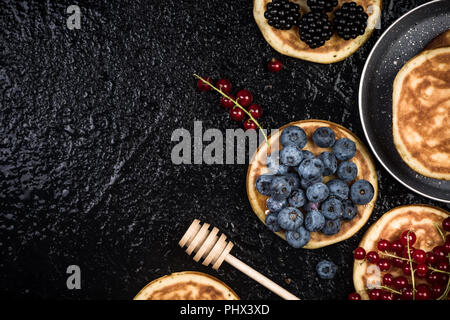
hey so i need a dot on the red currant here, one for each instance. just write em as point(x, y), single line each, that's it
point(359, 253)
point(405, 252)
point(354, 296)
point(437, 290)
point(431, 258)
point(388, 279)
point(204, 86)
point(423, 292)
point(373, 257)
point(442, 278)
point(432, 277)
point(249, 124)
point(422, 270)
point(237, 114)
point(244, 98)
point(400, 283)
point(439, 252)
point(443, 266)
point(383, 245)
point(399, 263)
point(447, 247)
point(408, 234)
point(386, 296)
point(407, 294)
point(397, 246)
point(384, 264)
point(227, 103)
point(446, 224)
point(406, 269)
point(224, 85)
point(419, 256)
point(255, 110)
point(275, 65)
point(374, 294)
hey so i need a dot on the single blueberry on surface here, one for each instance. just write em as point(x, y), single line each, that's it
point(311, 169)
point(347, 171)
point(326, 269)
point(263, 183)
point(307, 154)
point(280, 188)
point(361, 192)
point(344, 149)
point(317, 192)
point(350, 210)
point(331, 227)
point(297, 198)
point(290, 218)
point(329, 163)
point(332, 209)
point(338, 189)
point(276, 205)
point(272, 222)
point(293, 136)
point(274, 164)
point(298, 238)
point(310, 206)
point(291, 156)
point(314, 221)
point(324, 137)
point(293, 179)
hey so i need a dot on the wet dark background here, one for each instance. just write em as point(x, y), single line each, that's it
point(85, 141)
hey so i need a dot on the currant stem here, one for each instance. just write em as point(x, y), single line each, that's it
point(237, 105)
point(447, 290)
point(439, 230)
point(411, 266)
point(437, 270)
point(393, 256)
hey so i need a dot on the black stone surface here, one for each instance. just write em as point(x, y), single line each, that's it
point(85, 140)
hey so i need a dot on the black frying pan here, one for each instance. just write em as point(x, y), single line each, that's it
point(403, 40)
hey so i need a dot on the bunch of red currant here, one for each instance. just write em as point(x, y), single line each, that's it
point(431, 267)
point(231, 102)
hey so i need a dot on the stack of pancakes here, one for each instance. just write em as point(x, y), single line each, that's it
point(421, 110)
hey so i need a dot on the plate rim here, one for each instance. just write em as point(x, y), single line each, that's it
point(360, 93)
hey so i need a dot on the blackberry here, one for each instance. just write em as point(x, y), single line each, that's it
point(322, 5)
point(282, 14)
point(315, 29)
point(350, 21)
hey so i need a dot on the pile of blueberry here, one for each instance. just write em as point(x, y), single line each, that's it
point(299, 202)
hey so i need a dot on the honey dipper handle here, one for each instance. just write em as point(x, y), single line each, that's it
point(258, 277)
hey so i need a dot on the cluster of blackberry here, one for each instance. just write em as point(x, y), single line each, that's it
point(315, 27)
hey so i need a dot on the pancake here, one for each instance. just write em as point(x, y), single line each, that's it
point(188, 285)
point(421, 113)
point(419, 218)
point(336, 49)
point(441, 41)
point(362, 159)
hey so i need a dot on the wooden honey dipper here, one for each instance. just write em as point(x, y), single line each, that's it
point(215, 250)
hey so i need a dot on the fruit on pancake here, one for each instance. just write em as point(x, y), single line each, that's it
point(403, 240)
point(442, 40)
point(328, 214)
point(335, 49)
point(350, 21)
point(421, 113)
point(188, 285)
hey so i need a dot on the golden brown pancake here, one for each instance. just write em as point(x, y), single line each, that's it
point(421, 113)
point(418, 218)
point(188, 285)
point(362, 159)
point(336, 49)
point(441, 41)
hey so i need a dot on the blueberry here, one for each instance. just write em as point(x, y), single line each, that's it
point(338, 189)
point(305, 183)
point(310, 206)
point(332, 209)
point(276, 205)
point(331, 227)
point(326, 269)
point(263, 183)
point(314, 221)
point(298, 238)
point(347, 171)
point(350, 210)
point(344, 149)
point(324, 137)
point(317, 192)
point(293, 136)
point(272, 222)
point(361, 192)
point(307, 155)
point(290, 218)
point(274, 165)
point(329, 163)
point(291, 156)
point(311, 169)
point(297, 198)
point(280, 188)
point(293, 179)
